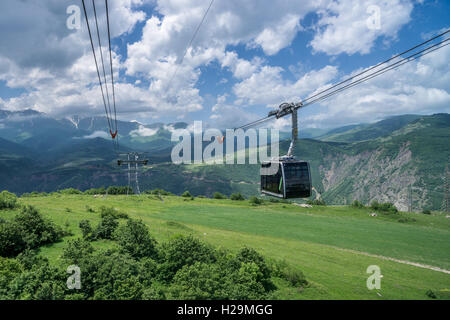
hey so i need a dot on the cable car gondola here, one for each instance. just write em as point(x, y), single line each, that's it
point(292, 177)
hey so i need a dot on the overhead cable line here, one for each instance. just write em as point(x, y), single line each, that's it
point(112, 75)
point(190, 43)
point(383, 70)
point(320, 95)
point(102, 60)
point(377, 65)
point(96, 63)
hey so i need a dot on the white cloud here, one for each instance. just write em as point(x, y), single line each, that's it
point(143, 132)
point(269, 87)
point(343, 25)
point(97, 134)
point(56, 68)
point(419, 87)
point(275, 38)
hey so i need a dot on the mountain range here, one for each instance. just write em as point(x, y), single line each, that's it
point(401, 159)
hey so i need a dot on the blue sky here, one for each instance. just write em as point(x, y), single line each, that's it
point(248, 57)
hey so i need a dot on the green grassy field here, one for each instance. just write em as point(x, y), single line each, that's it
point(314, 240)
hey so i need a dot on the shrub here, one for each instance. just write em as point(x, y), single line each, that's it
point(76, 250)
point(186, 194)
point(317, 202)
point(106, 227)
point(86, 230)
point(89, 209)
point(237, 196)
point(181, 251)
point(104, 211)
point(116, 190)
point(426, 211)
point(159, 192)
point(357, 204)
point(218, 195)
point(199, 281)
point(8, 200)
point(248, 255)
point(11, 241)
point(135, 240)
point(431, 294)
point(27, 230)
point(255, 201)
point(70, 191)
point(386, 207)
point(94, 191)
point(295, 277)
point(35, 229)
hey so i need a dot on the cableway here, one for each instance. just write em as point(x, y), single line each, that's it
point(364, 76)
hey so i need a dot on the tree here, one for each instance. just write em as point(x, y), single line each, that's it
point(254, 201)
point(8, 200)
point(76, 250)
point(218, 195)
point(357, 204)
point(237, 196)
point(116, 190)
point(186, 194)
point(35, 229)
point(11, 242)
point(248, 255)
point(181, 251)
point(199, 281)
point(134, 239)
point(87, 230)
point(106, 227)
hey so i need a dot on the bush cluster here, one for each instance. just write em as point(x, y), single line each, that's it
point(218, 195)
point(187, 194)
point(27, 230)
point(35, 194)
point(8, 200)
point(160, 192)
point(387, 207)
point(140, 268)
point(255, 201)
point(94, 191)
point(316, 202)
point(237, 197)
point(107, 226)
point(357, 204)
point(116, 190)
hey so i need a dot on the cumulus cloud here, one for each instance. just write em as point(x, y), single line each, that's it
point(419, 87)
point(56, 68)
point(97, 134)
point(268, 86)
point(50, 61)
point(353, 26)
point(143, 132)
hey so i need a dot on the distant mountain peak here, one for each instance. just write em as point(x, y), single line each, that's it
point(5, 114)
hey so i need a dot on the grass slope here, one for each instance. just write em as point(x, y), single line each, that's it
point(308, 238)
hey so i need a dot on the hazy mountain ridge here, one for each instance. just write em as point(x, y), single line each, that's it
point(378, 161)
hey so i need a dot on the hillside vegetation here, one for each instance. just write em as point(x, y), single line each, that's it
point(382, 161)
point(327, 249)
